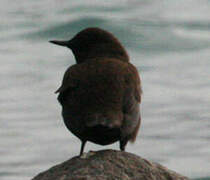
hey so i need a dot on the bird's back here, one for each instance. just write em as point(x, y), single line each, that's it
point(93, 95)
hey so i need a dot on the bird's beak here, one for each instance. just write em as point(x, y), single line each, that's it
point(61, 43)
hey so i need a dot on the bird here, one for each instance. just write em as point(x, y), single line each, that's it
point(101, 93)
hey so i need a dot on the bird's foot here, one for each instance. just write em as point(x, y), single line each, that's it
point(87, 155)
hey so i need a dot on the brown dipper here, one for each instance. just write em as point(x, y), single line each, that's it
point(100, 94)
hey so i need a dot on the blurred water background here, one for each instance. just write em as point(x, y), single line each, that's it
point(168, 41)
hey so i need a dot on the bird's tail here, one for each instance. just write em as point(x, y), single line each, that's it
point(110, 120)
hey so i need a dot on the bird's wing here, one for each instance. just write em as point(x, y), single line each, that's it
point(69, 82)
point(133, 89)
point(131, 103)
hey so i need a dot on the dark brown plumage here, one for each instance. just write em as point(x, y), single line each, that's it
point(100, 95)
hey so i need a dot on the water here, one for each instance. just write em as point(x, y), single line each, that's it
point(168, 41)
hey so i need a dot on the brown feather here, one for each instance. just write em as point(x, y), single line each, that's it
point(101, 94)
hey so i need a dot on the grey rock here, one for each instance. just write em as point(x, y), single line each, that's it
point(109, 165)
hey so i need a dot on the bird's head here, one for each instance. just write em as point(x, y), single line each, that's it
point(94, 43)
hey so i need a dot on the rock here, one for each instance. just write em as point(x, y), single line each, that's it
point(109, 165)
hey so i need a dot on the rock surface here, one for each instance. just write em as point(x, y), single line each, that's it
point(109, 165)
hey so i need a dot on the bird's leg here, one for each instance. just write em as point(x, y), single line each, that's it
point(123, 143)
point(82, 148)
